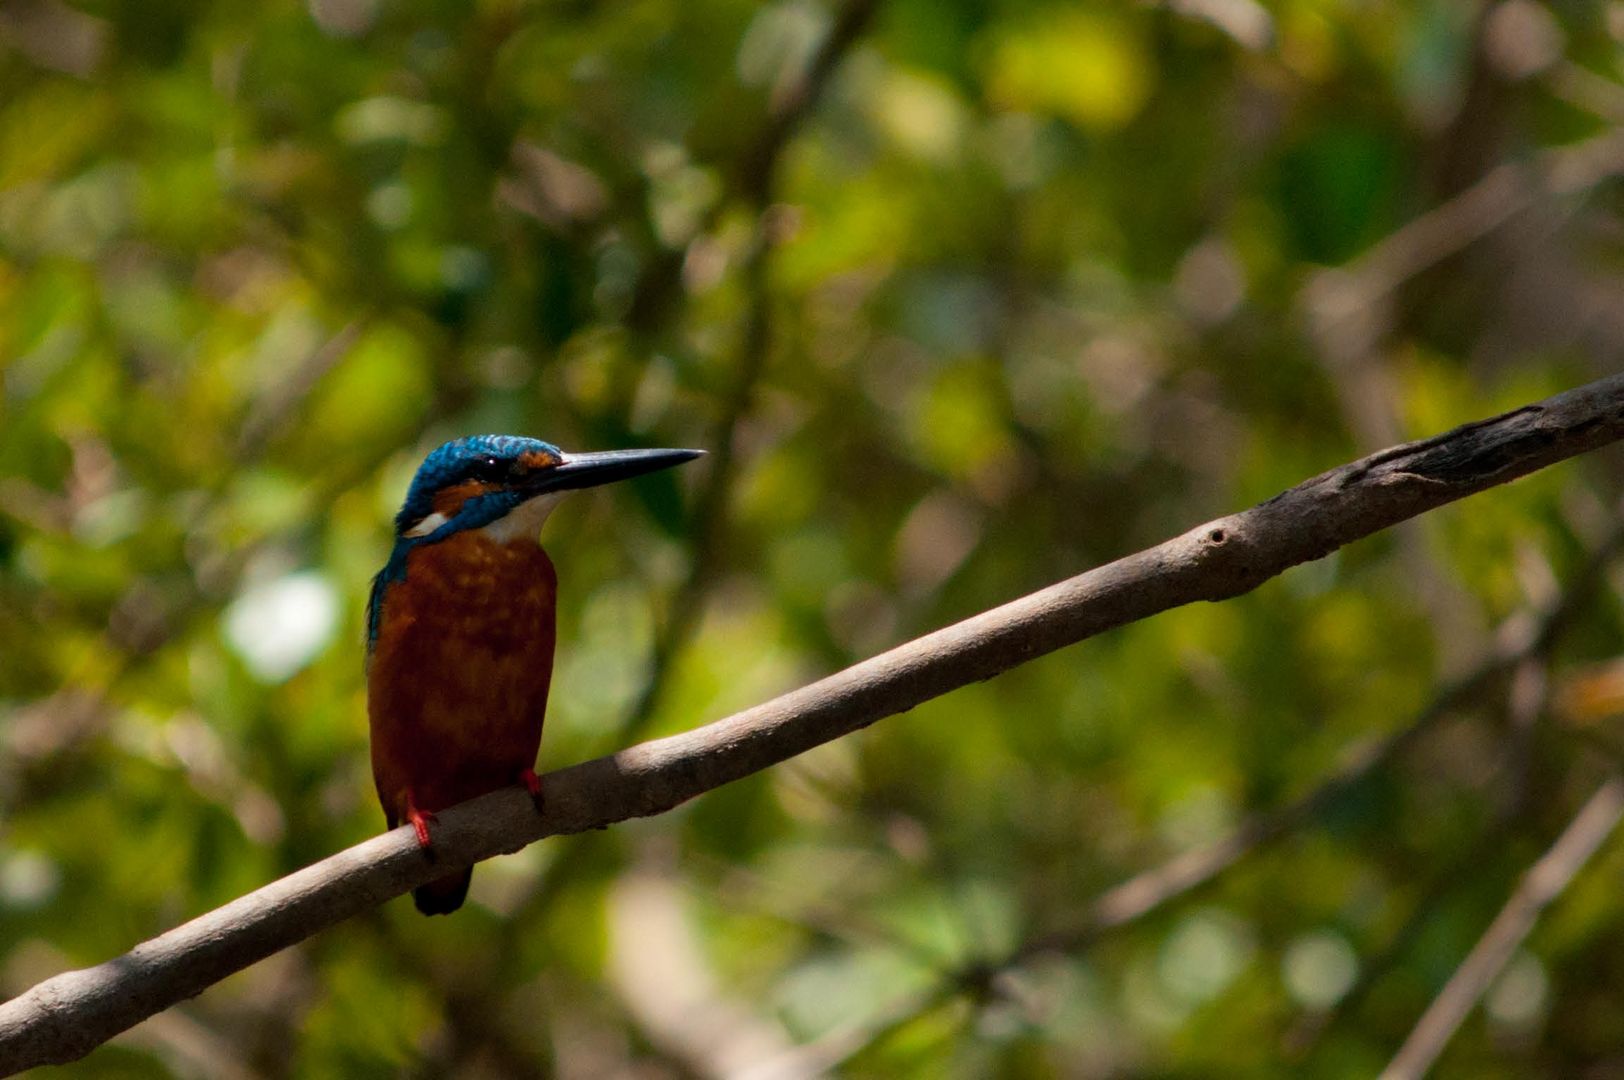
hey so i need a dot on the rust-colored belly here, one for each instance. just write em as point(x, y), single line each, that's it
point(457, 683)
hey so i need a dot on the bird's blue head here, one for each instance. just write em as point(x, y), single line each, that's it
point(503, 484)
point(479, 481)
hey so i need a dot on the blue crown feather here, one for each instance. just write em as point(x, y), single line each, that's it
point(450, 463)
point(459, 460)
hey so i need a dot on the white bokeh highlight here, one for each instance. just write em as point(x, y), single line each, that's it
point(277, 627)
point(1319, 969)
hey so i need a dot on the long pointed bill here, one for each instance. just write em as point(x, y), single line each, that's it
point(607, 466)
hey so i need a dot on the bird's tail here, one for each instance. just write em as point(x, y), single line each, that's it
point(444, 895)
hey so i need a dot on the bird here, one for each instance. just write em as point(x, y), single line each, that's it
point(461, 628)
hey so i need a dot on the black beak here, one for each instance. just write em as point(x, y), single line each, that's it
point(605, 467)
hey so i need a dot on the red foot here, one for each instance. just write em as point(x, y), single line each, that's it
point(421, 820)
point(532, 784)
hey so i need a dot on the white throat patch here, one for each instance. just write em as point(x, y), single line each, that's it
point(427, 525)
point(524, 521)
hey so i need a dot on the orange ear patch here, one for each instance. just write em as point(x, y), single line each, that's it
point(538, 459)
point(449, 500)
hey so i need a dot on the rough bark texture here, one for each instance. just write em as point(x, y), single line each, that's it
point(65, 1017)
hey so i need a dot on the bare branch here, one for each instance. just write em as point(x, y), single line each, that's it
point(1525, 638)
point(1543, 883)
point(66, 1016)
point(1522, 641)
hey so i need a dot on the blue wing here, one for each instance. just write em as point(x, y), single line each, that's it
point(393, 571)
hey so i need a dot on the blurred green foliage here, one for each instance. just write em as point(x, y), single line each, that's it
point(979, 296)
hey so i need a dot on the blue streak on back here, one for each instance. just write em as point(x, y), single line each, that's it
point(393, 572)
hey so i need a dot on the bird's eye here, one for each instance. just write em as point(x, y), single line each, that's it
point(489, 468)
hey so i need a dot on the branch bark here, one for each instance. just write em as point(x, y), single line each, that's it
point(1525, 638)
point(66, 1016)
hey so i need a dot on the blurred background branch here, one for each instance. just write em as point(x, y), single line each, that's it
point(1544, 882)
point(794, 98)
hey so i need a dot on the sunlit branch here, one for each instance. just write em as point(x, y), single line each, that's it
point(66, 1016)
point(1523, 640)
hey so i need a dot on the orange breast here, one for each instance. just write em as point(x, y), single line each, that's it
point(457, 683)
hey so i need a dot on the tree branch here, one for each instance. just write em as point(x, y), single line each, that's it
point(66, 1016)
point(1543, 883)
point(1524, 638)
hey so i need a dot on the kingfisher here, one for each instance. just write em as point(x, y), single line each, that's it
point(461, 627)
